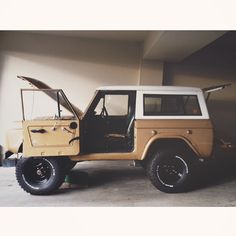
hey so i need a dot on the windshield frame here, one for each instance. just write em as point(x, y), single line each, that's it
point(71, 109)
point(90, 103)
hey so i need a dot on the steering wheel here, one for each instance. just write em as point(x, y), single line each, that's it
point(103, 112)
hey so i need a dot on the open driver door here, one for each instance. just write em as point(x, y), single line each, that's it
point(50, 123)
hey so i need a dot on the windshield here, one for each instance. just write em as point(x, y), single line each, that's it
point(45, 104)
point(45, 88)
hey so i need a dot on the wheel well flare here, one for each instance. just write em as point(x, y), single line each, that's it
point(152, 145)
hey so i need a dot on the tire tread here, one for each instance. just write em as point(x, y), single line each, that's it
point(59, 178)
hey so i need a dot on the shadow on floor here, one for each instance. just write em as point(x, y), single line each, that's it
point(212, 173)
point(103, 176)
point(215, 172)
point(98, 178)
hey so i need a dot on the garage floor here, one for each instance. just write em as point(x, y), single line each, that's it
point(120, 184)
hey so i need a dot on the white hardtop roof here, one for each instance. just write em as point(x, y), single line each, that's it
point(151, 88)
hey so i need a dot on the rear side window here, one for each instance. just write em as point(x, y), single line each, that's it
point(171, 105)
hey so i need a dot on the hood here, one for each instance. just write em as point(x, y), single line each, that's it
point(40, 85)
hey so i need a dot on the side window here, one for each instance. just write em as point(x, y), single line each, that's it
point(115, 104)
point(192, 106)
point(160, 105)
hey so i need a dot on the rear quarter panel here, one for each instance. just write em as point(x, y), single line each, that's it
point(198, 134)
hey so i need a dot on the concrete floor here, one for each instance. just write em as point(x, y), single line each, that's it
point(119, 184)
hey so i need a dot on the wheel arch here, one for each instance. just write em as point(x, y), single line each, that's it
point(156, 142)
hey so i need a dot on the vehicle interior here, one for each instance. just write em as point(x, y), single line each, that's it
point(108, 125)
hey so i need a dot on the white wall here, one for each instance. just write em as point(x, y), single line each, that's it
point(78, 66)
point(151, 72)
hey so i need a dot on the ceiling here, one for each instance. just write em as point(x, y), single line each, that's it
point(174, 46)
point(118, 35)
point(166, 46)
point(220, 52)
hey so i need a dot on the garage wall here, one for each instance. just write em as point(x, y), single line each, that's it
point(151, 72)
point(200, 72)
point(79, 66)
point(76, 65)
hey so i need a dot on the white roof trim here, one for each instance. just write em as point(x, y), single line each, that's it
point(151, 88)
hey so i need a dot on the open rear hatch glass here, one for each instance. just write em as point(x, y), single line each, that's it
point(207, 91)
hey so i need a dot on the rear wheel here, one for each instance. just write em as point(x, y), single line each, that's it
point(170, 171)
point(39, 176)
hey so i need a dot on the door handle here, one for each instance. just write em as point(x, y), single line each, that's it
point(41, 131)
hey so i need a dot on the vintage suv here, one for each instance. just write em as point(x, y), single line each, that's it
point(166, 128)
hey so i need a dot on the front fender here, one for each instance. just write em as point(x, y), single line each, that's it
point(14, 139)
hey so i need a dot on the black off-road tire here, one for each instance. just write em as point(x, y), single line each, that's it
point(39, 176)
point(170, 169)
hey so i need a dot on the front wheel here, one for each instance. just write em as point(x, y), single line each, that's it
point(39, 176)
point(170, 171)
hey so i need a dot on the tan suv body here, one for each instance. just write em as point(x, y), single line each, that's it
point(121, 123)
